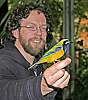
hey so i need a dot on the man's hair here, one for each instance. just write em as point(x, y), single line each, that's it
point(23, 11)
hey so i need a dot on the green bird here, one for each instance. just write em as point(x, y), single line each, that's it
point(54, 54)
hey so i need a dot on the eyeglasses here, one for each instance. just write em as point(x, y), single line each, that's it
point(33, 27)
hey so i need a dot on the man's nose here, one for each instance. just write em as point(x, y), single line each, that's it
point(39, 32)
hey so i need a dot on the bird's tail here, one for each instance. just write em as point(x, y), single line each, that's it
point(33, 66)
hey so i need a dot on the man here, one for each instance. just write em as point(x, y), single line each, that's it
point(28, 26)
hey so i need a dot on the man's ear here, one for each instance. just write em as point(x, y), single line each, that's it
point(15, 33)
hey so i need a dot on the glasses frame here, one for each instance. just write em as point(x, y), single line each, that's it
point(36, 28)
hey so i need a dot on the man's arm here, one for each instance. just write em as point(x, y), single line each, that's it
point(24, 89)
point(14, 87)
point(31, 87)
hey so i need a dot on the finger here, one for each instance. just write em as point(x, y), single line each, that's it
point(57, 66)
point(65, 83)
point(63, 63)
point(52, 79)
point(61, 80)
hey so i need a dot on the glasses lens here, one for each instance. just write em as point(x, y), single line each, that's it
point(31, 27)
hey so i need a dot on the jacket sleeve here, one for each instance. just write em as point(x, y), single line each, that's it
point(20, 89)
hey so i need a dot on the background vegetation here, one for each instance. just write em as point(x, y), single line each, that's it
point(80, 38)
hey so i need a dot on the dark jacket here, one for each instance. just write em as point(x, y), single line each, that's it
point(16, 81)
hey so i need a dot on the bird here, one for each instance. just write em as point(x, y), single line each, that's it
point(54, 54)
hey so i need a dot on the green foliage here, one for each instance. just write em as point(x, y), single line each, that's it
point(81, 92)
point(82, 72)
point(80, 7)
point(56, 12)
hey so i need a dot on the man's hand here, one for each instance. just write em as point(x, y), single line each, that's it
point(55, 76)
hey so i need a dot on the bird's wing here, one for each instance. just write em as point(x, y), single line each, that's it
point(50, 56)
point(51, 51)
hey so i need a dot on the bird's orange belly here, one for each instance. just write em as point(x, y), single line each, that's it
point(56, 56)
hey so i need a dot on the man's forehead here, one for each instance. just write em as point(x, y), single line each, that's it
point(36, 15)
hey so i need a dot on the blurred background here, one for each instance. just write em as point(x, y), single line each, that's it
point(70, 20)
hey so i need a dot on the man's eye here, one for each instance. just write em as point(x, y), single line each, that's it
point(31, 27)
point(43, 28)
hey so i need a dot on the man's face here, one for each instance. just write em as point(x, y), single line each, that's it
point(32, 33)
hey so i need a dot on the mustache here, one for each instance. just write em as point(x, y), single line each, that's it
point(37, 38)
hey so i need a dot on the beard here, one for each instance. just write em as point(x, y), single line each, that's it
point(31, 47)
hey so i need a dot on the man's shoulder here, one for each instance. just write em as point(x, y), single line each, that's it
point(5, 55)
